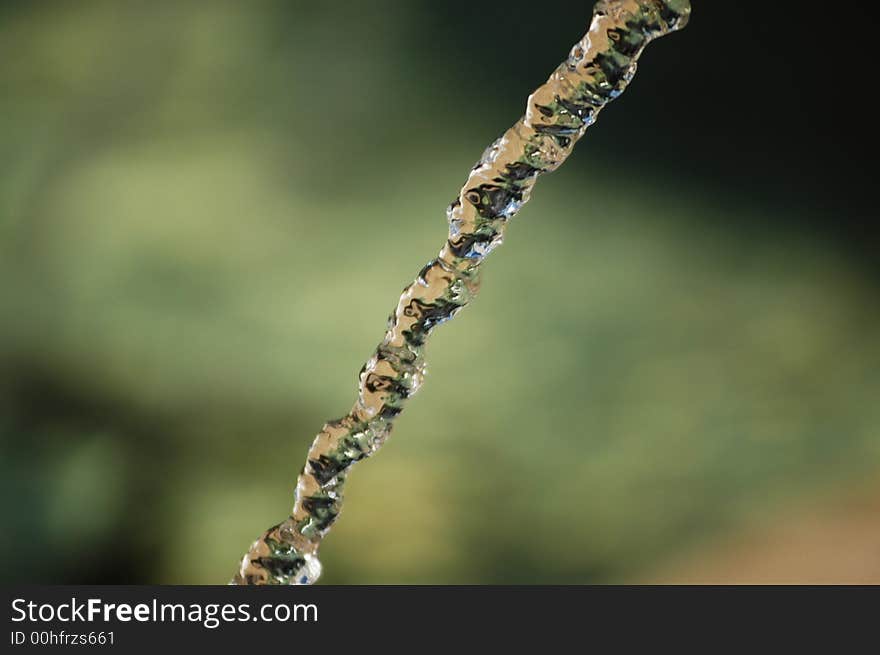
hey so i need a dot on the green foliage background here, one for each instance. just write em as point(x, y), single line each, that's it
point(207, 211)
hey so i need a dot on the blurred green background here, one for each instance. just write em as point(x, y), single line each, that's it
point(208, 209)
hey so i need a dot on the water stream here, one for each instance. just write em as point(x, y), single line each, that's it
point(597, 70)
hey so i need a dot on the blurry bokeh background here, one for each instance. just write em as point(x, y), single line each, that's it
point(208, 209)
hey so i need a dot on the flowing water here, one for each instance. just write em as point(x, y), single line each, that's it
point(597, 70)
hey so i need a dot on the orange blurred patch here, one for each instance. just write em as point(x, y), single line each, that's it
point(836, 541)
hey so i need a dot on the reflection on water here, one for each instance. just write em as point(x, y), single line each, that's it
point(598, 70)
